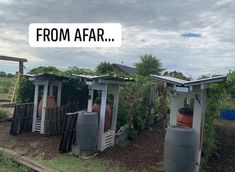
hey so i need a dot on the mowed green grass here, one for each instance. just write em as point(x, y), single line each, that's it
point(66, 163)
point(5, 83)
point(7, 165)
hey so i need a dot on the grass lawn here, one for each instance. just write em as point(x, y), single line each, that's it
point(5, 83)
point(67, 163)
point(7, 165)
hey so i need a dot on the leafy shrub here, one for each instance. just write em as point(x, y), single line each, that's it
point(25, 92)
point(210, 139)
point(71, 86)
point(133, 103)
point(218, 97)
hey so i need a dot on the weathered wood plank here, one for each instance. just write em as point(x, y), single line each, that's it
point(28, 162)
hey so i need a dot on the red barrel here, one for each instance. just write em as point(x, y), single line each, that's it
point(50, 104)
point(185, 117)
point(96, 108)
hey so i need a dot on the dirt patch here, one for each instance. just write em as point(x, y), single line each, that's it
point(224, 159)
point(143, 154)
point(29, 144)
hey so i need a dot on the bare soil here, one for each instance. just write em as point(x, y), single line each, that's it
point(143, 154)
point(29, 144)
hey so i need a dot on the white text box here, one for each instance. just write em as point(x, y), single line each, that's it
point(75, 35)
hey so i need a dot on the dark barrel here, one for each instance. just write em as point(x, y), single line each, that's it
point(87, 131)
point(180, 149)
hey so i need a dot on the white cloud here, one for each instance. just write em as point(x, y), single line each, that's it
point(148, 27)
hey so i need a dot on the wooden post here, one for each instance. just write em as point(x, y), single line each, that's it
point(44, 105)
point(115, 107)
point(59, 90)
point(21, 67)
point(102, 118)
point(35, 108)
point(90, 100)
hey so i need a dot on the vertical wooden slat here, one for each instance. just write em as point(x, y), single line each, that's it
point(72, 132)
point(14, 122)
point(22, 118)
point(64, 135)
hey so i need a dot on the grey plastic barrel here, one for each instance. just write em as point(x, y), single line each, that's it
point(180, 149)
point(87, 131)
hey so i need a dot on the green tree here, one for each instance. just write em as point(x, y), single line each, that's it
point(178, 75)
point(104, 68)
point(149, 65)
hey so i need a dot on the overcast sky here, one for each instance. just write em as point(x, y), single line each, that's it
point(194, 36)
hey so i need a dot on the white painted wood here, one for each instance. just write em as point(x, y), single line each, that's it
point(102, 118)
point(40, 82)
point(165, 84)
point(51, 89)
point(99, 87)
point(115, 107)
point(59, 90)
point(177, 102)
point(44, 104)
point(35, 107)
point(173, 109)
point(90, 101)
point(113, 82)
point(204, 86)
point(108, 139)
point(198, 123)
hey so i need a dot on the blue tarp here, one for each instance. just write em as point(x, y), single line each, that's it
point(228, 114)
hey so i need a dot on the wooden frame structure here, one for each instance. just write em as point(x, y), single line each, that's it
point(20, 60)
point(190, 90)
point(48, 81)
point(104, 84)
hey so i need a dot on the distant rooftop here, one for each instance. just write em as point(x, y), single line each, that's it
point(124, 69)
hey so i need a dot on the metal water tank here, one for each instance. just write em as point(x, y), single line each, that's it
point(180, 149)
point(87, 131)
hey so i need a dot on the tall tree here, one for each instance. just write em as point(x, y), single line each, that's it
point(104, 68)
point(178, 75)
point(149, 65)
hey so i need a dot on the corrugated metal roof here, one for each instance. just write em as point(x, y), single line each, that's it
point(169, 79)
point(180, 82)
point(206, 81)
point(103, 77)
point(46, 76)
